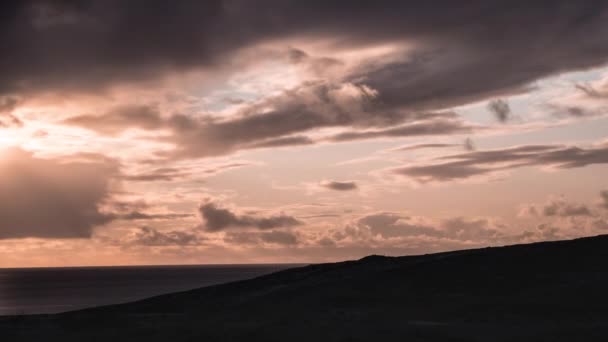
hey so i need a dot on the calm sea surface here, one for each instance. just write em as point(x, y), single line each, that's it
point(51, 290)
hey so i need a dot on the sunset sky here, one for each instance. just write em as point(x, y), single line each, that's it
point(179, 132)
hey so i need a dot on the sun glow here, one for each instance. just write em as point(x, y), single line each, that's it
point(10, 138)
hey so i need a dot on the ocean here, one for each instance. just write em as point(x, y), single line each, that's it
point(53, 290)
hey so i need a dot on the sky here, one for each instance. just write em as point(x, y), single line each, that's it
point(203, 132)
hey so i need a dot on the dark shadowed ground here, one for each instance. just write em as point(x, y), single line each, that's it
point(553, 291)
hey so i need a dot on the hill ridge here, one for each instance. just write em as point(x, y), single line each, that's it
point(540, 291)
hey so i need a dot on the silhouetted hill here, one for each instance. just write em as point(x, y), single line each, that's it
point(551, 291)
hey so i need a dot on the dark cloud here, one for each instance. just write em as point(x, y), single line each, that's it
point(560, 211)
point(316, 65)
point(255, 238)
point(469, 145)
point(279, 237)
point(340, 186)
point(454, 55)
point(8, 103)
point(212, 170)
point(137, 210)
point(587, 89)
point(456, 59)
point(53, 198)
point(459, 60)
point(431, 127)
point(137, 215)
point(604, 196)
point(7, 119)
point(270, 122)
point(308, 107)
point(91, 44)
point(422, 146)
point(592, 92)
point(320, 216)
point(390, 225)
point(174, 173)
point(466, 165)
point(152, 237)
point(119, 119)
point(565, 209)
point(588, 103)
point(284, 141)
point(501, 110)
point(159, 174)
point(311, 106)
point(574, 111)
point(600, 224)
point(470, 229)
point(217, 219)
point(547, 231)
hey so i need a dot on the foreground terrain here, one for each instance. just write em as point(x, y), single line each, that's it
point(552, 291)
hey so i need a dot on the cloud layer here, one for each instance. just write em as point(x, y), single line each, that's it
point(53, 198)
point(218, 219)
point(340, 186)
point(93, 43)
point(480, 163)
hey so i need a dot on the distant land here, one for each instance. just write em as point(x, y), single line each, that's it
point(549, 291)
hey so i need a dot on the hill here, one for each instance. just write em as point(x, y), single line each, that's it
point(550, 291)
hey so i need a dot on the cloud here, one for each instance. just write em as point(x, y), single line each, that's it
point(97, 43)
point(119, 119)
point(390, 225)
point(479, 163)
point(219, 168)
point(469, 145)
point(604, 196)
point(274, 120)
point(169, 174)
point(560, 218)
point(137, 215)
point(218, 219)
point(430, 66)
point(340, 186)
point(431, 127)
point(53, 198)
point(278, 121)
point(318, 66)
point(158, 174)
point(557, 207)
point(588, 101)
point(295, 140)
point(501, 110)
point(590, 90)
point(397, 232)
point(147, 236)
point(138, 210)
point(128, 46)
point(256, 238)
point(560, 207)
point(271, 122)
point(422, 146)
point(600, 224)
point(7, 105)
point(471, 229)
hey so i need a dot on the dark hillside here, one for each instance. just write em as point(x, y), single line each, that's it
point(552, 291)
